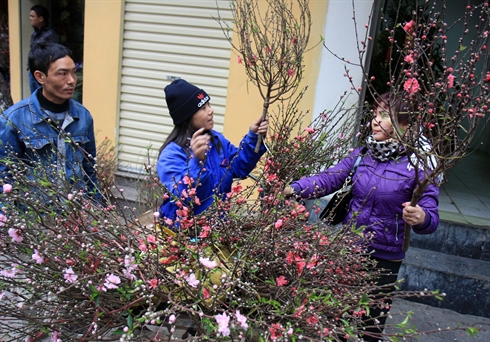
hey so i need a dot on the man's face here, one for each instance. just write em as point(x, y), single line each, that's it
point(36, 21)
point(59, 84)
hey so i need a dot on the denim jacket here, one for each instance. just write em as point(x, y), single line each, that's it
point(27, 131)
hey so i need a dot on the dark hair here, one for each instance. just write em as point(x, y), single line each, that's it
point(43, 54)
point(41, 11)
point(398, 106)
point(179, 135)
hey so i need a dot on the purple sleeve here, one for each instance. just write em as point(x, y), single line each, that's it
point(430, 203)
point(326, 181)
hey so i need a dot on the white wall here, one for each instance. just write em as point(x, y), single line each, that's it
point(340, 38)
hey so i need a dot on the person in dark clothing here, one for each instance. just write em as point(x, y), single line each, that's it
point(43, 33)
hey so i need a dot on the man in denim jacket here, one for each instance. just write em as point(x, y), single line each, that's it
point(50, 127)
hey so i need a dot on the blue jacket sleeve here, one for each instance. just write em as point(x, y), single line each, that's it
point(174, 165)
point(88, 163)
point(244, 158)
point(9, 143)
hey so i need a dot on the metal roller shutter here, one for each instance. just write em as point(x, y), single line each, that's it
point(164, 40)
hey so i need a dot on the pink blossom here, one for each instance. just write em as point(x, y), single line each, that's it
point(130, 266)
point(14, 233)
point(205, 232)
point(223, 320)
point(70, 197)
point(156, 214)
point(409, 59)
point(239, 60)
point(312, 320)
point(276, 330)
point(208, 263)
point(7, 188)
point(205, 293)
point(129, 261)
point(111, 281)
point(38, 257)
point(300, 265)
point(172, 319)
point(128, 275)
point(55, 336)
point(10, 273)
point(151, 239)
point(70, 276)
point(409, 26)
point(191, 280)
point(152, 283)
point(487, 77)
point(242, 320)
point(450, 81)
point(169, 222)
point(290, 72)
point(411, 85)
point(142, 247)
point(281, 281)
point(188, 180)
point(278, 224)
point(310, 129)
point(3, 219)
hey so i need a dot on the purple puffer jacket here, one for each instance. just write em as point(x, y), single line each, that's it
point(379, 189)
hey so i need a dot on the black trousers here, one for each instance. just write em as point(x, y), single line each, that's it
point(376, 320)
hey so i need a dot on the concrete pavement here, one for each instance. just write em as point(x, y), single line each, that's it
point(431, 319)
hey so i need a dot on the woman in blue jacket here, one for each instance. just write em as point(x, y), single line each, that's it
point(382, 189)
point(197, 163)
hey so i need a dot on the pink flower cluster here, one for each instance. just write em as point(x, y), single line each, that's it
point(223, 321)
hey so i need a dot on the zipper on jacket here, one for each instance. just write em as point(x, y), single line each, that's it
point(396, 236)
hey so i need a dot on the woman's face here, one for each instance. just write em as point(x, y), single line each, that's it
point(381, 124)
point(203, 118)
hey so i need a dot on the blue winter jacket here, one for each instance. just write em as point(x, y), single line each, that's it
point(379, 189)
point(26, 131)
point(215, 177)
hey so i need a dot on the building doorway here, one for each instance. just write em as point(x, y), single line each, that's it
point(67, 19)
point(5, 98)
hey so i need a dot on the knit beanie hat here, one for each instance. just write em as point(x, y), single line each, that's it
point(184, 100)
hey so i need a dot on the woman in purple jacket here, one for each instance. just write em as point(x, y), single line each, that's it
point(382, 189)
